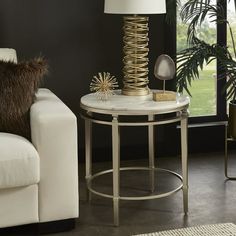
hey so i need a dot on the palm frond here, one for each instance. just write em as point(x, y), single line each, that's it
point(193, 59)
point(195, 12)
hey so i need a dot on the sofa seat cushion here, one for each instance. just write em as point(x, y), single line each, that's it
point(19, 162)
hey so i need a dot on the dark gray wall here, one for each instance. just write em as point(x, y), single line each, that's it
point(79, 40)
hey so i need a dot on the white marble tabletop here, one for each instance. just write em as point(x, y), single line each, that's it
point(132, 105)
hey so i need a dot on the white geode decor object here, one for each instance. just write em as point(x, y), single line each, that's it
point(103, 85)
point(164, 70)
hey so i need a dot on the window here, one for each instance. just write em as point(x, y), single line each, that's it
point(203, 90)
point(207, 105)
point(232, 21)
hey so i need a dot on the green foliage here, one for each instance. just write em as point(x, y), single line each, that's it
point(181, 37)
point(203, 91)
point(197, 15)
point(207, 34)
point(190, 60)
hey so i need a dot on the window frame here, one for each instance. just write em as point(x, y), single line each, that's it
point(221, 104)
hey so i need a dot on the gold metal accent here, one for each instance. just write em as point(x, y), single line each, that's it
point(88, 154)
point(135, 56)
point(132, 198)
point(232, 119)
point(227, 139)
point(103, 85)
point(151, 153)
point(164, 96)
point(184, 158)
point(230, 135)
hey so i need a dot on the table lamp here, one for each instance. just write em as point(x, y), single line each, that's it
point(135, 81)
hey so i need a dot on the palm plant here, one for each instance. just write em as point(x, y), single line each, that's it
point(199, 52)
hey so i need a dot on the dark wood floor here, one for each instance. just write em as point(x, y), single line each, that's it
point(212, 199)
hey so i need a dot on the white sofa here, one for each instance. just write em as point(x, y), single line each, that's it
point(39, 180)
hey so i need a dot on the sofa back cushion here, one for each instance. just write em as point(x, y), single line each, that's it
point(18, 84)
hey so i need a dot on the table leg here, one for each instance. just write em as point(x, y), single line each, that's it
point(151, 154)
point(184, 150)
point(88, 155)
point(116, 168)
point(226, 153)
point(226, 156)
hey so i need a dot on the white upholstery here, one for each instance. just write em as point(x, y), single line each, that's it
point(19, 206)
point(8, 54)
point(54, 134)
point(19, 162)
point(54, 165)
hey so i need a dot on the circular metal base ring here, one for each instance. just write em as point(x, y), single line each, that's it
point(147, 197)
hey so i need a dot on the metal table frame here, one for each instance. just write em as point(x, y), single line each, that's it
point(227, 139)
point(180, 114)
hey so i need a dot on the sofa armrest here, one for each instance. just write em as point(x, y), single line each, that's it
point(54, 134)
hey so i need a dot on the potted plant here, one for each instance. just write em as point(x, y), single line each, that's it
point(200, 53)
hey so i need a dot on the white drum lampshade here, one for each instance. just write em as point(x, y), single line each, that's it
point(135, 6)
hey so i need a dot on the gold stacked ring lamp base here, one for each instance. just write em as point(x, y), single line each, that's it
point(135, 56)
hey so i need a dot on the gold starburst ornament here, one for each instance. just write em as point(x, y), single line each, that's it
point(103, 85)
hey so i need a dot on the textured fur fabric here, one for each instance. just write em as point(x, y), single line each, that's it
point(18, 85)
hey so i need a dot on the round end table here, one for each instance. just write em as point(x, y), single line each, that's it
point(136, 106)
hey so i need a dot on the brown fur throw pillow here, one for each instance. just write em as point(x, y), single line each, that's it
point(18, 85)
